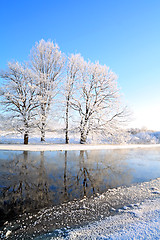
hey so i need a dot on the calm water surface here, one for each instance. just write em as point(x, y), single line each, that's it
point(32, 180)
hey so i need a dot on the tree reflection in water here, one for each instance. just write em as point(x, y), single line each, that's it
point(26, 186)
point(96, 174)
point(31, 181)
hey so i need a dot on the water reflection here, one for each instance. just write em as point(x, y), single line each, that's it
point(33, 180)
point(24, 185)
point(98, 172)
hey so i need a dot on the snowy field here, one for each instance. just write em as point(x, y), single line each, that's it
point(59, 138)
point(69, 147)
point(54, 142)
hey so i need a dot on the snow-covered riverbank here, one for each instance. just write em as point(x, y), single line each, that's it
point(138, 221)
point(68, 147)
point(120, 213)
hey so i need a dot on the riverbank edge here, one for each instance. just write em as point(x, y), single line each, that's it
point(73, 147)
point(121, 200)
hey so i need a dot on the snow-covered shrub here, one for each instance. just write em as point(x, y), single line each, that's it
point(119, 136)
point(144, 138)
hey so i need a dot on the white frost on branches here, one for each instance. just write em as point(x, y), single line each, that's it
point(46, 63)
point(85, 92)
point(96, 100)
point(19, 96)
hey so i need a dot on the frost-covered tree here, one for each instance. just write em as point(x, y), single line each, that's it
point(89, 92)
point(72, 75)
point(96, 99)
point(19, 96)
point(46, 62)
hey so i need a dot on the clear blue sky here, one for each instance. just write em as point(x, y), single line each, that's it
point(123, 34)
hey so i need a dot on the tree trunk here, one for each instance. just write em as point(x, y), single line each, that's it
point(43, 132)
point(26, 138)
point(83, 138)
point(67, 138)
point(67, 124)
point(42, 136)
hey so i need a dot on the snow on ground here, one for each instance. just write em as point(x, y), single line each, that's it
point(51, 137)
point(59, 138)
point(10, 141)
point(68, 147)
point(135, 222)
